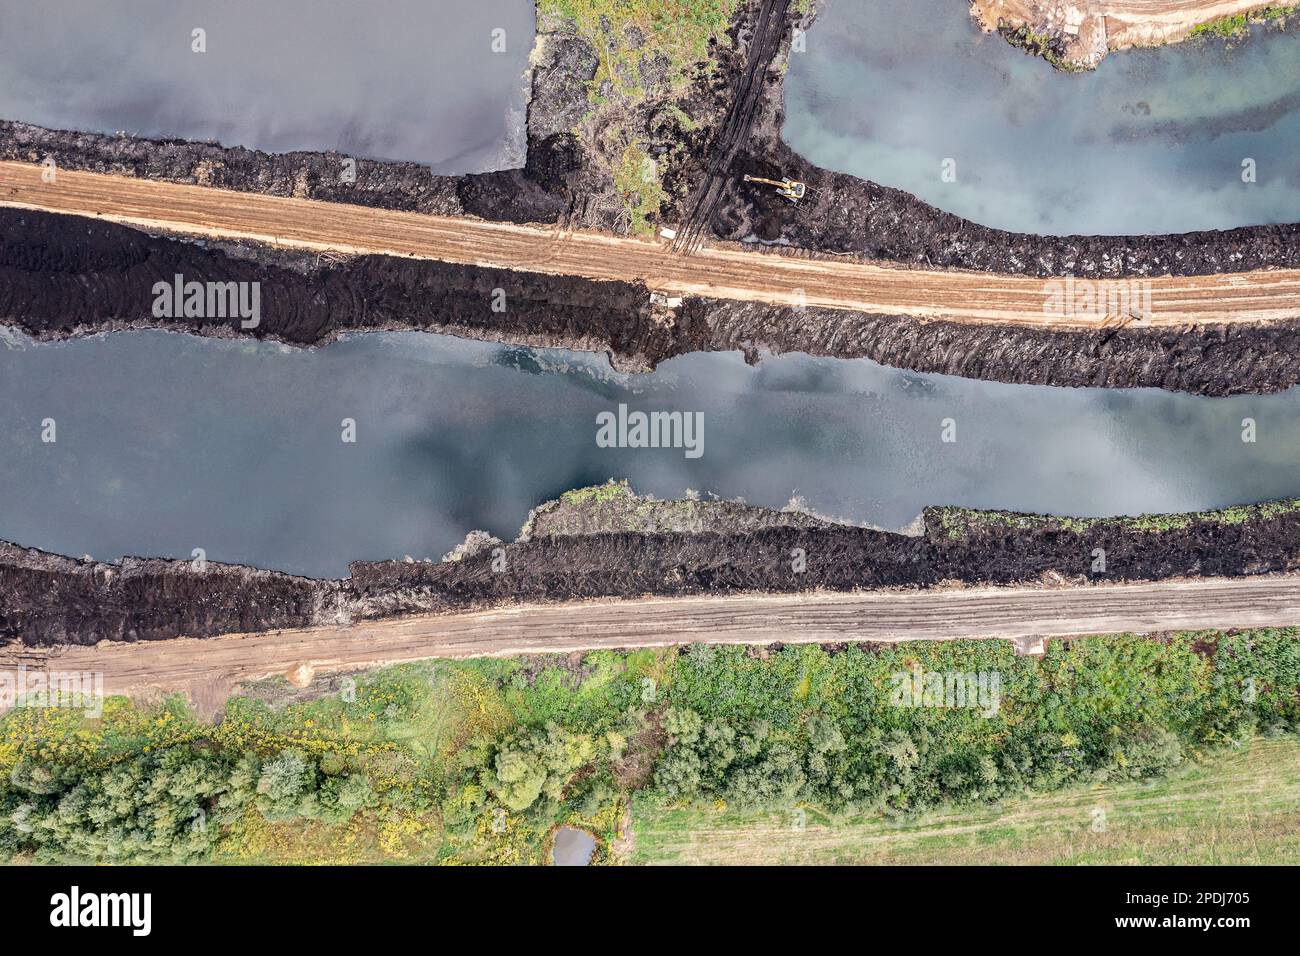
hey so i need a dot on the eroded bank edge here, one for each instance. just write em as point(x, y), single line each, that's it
point(610, 543)
point(64, 276)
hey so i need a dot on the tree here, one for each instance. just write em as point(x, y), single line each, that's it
point(682, 724)
point(824, 735)
point(286, 785)
point(519, 778)
point(156, 807)
point(679, 773)
point(541, 761)
point(777, 780)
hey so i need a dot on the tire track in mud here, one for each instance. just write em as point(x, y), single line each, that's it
point(718, 271)
point(210, 669)
point(734, 132)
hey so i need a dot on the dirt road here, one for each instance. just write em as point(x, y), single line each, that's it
point(209, 669)
point(727, 272)
point(1098, 26)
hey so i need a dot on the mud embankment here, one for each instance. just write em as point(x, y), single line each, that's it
point(1211, 360)
point(49, 599)
point(46, 599)
point(847, 215)
point(62, 276)
point(532, 194)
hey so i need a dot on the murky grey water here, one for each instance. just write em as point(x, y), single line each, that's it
point(573, 847)
point(1152, 142)
point(170, 442)
point(396, 79)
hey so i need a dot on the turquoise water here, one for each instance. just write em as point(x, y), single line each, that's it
point(166, 443)
point(1151, 142)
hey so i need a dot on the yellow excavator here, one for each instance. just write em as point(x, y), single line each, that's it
point(791, 189)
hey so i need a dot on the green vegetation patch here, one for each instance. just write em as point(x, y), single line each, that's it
point(614, 507)
point(647, 52)
point(599, 494)
point(828, 730)
point(955, 523)
point(627, 34)
point(1236, 807)
point(1238, 26)
point(1050, 48)
point(479, 761)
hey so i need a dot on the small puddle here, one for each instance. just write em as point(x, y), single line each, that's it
point(573, 847)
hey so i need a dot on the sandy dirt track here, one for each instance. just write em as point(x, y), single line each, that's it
point(1122, 23)
point(728, 272)
point(209, 669)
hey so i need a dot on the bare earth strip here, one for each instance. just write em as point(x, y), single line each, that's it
point(209, 669)
point(719, 271)
point(1118, 24)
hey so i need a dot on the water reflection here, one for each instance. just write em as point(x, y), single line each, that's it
point(1152, 142)
point(397, 80)
point(170, 442)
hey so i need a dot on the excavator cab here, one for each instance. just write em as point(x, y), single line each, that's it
point(791, 189)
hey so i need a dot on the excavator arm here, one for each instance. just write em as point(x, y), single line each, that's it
point(791, 189)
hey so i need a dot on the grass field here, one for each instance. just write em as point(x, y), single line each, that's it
point(1241, 807)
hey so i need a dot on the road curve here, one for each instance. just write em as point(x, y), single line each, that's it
point(725, 271)
point(209, 669)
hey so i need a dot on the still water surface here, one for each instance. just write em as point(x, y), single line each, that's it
point(418, 80)
point(169, 442)
point(1151, 142)
point(573, 847)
